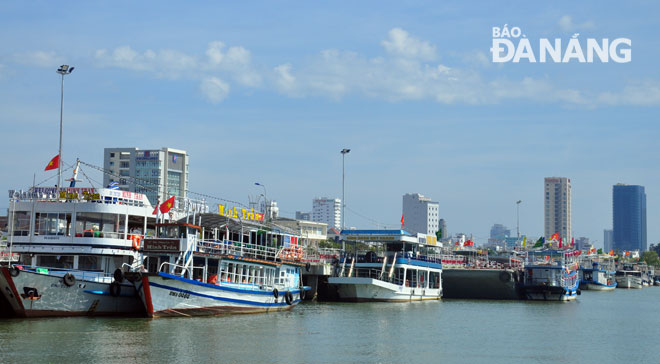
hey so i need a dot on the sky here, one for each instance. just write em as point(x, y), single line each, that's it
point(270, 92)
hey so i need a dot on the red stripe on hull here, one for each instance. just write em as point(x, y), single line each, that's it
point(10, 281)
point(146, 291)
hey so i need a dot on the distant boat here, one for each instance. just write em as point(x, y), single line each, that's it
point(553, 278)
point(629, 279)
point(404, 270)
point(597, 279)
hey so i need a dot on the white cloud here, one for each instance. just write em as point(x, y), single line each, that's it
point(39, 59)
point(566, 24)
point(164, 63)
point(214, 89)
point(401, 44)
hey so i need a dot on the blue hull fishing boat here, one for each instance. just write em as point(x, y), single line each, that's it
point(553, 278)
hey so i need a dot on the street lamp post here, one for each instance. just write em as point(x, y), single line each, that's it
point(265, 200)
point(63, 70)
point(518, 218)
point(343, 200)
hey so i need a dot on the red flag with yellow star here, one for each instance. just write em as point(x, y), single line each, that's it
point(167, 205)
point(53, 164)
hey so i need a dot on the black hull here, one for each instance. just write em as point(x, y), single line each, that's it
point(486, 284)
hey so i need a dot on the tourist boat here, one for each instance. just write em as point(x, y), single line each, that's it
point(629, 278)
point(597, 279)
point(553, 278)
point(73, 244)
point(223, 265)
point(404, 269)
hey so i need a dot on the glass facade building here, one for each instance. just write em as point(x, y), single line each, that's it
point(629, 217)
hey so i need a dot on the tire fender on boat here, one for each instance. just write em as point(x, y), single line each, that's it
point(288, 298)
point(115, 289)
point(308, 267)
point(13, 271)
point(119, 275)
point(69, 279)
point(276, 294)
point(302, 293)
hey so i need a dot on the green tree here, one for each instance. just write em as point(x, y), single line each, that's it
point(651, 258)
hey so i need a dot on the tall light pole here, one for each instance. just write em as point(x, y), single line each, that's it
point(343, 200)
point(518, 218)
point(63, 70)
point(265, 200)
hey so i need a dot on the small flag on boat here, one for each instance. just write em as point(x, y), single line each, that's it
point(402, 221)
point(524, 244)
point(53, 164)
point(559, 243)
point(539, 243)
point(167, 205)
point(555, 236)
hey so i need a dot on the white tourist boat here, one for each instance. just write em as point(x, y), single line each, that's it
point(597, 278)
point(551, 276)
point(404, 270)
point(73, 244)
point(629, 278)
point(230, 266)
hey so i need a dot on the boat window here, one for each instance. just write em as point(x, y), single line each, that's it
point(52, 223)
point(172, 232)
point(55, 261)
point(89, 262)
point(99, 225)
point(21, 223)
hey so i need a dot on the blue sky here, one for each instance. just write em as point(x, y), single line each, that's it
point(272, 91)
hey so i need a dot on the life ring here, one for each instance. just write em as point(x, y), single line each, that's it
point(69, 279)
point(118, 275)
point(13, 271)
point(136, 242)
point(276, 294)
point(115, 289)
point(288, 298)
point(505, 276)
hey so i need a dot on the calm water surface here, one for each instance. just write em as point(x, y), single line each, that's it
point(601, 327)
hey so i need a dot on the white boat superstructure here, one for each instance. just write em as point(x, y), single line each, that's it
point(74, 245)
point(403, 271)
point(629, 279)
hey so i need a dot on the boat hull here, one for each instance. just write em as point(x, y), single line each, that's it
point(32, 294)
point(629, 282)
point(492, 284)
point(600, 287)
point(165, 295)
point(363, 289)
point(550, 293)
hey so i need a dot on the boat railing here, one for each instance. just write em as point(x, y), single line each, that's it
point(181, 270)
point(83, 275)
point(228, 247)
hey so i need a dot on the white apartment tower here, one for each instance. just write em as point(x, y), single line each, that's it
point(154, 172)
point(327, 211)
point(420, 214)
point(557, 197)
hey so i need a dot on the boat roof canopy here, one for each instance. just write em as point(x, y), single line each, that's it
point(379, 236)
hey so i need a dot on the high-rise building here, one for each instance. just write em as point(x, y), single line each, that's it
point(442, 228)
point(328, 211)
point(582, 243)
point(608, 238)
point(557, 197)
point(629, 217)
point(420, 214)
point(156, 173)
point(499, 231)
point(306, 216)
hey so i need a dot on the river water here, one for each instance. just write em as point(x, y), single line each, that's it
point(600, 327)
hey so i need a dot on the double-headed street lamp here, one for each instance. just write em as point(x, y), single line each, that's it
point(518, 218)
point(63, 70)
point(343, 199)
point(265, 200)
